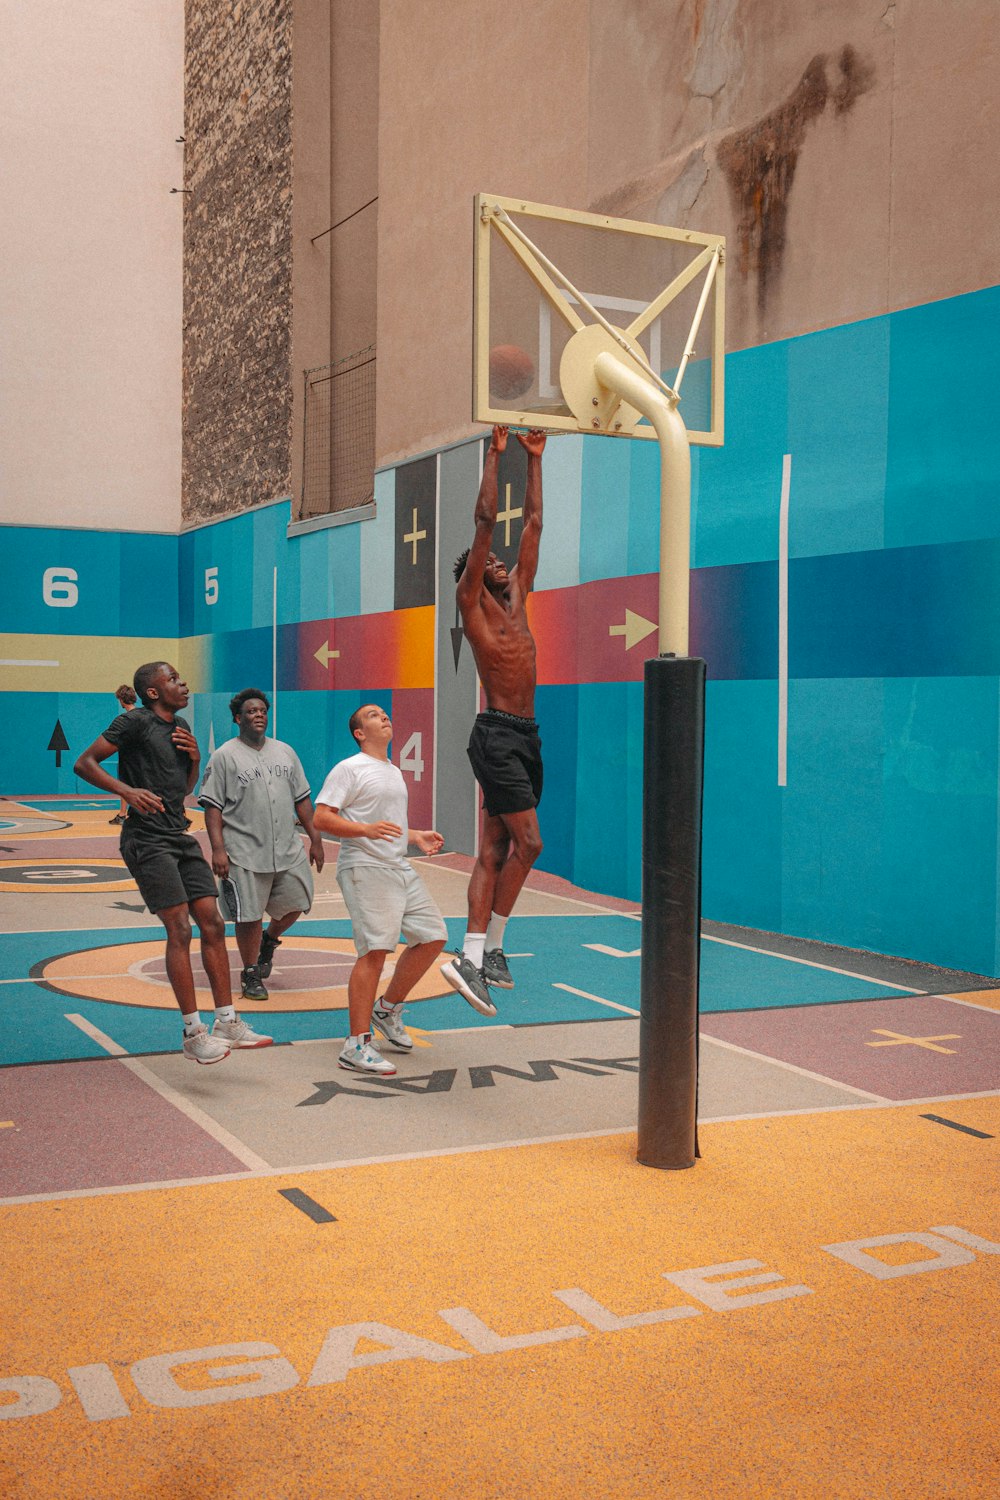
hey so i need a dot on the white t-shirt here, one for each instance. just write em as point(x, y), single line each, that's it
point(367, 790)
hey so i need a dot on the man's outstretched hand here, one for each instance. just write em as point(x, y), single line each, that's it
point(533, 441)
point(499, 442)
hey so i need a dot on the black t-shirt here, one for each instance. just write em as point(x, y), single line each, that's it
point(148, 757)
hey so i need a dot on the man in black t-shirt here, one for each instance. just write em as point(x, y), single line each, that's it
point(158, 765)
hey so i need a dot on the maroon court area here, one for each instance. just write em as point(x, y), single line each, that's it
point(93, 1125)
point(887, 1047)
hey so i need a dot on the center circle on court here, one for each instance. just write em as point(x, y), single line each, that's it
point(308, 974)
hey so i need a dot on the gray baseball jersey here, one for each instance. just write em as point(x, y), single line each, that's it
point(256, 792)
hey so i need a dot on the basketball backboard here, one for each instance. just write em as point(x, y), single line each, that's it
point(555, 287)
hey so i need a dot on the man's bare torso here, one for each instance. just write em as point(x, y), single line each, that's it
point(504, 651)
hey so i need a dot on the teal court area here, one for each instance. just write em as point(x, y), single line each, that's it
point(568, 969)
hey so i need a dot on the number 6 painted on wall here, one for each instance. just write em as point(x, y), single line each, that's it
point(59, 590)
point(211, 585)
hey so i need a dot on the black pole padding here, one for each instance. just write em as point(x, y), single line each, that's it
point(673, 765)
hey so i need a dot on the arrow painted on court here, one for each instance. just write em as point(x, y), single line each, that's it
point(614, 952)
point(325, 655)
point(58, 742)
point(635, 629)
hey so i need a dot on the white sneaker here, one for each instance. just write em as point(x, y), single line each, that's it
point(360, 1057)
point(201, 1047)
point(239, 1033)
point(388, 1020)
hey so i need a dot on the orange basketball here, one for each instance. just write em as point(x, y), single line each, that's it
point(512, 372)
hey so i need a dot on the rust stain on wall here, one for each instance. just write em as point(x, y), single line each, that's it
point(760, 162)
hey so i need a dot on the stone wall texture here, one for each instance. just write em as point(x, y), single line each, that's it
point(237, 388)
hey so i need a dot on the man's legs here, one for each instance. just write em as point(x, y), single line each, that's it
point(228, 1027)
point(362, 988)
point(257, 951)
point(178, 924)
point(508, 848)
point(412, 966)
point(198, 1045)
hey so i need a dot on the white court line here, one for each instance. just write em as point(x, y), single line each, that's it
point(970, 1004)
point(98, 1036)
point(211, 1127)
point(794, 1068)
point(587, 996)
point(218, 1133)
point(906, 989)
point(542, 1140)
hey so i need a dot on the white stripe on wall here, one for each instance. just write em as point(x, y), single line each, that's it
point(786, 485)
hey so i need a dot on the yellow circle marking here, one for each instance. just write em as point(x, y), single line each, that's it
point(117, 882)
point(125, 975)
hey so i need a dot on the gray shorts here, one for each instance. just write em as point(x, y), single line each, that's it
point(245, 895)
point(385, 903)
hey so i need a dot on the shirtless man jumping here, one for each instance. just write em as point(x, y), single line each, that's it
point(505, 750)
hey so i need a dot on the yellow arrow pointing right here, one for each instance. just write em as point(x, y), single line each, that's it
point(634, 630)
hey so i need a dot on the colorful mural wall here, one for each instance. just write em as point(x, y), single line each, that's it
point(852, 743)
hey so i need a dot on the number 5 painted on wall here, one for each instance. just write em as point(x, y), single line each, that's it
point(410, 757)
point(211, 585)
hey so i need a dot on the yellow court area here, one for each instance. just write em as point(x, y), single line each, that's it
point(811, 1312)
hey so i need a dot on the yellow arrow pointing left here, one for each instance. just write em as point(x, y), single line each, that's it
point(634, 630)
point(324, 655)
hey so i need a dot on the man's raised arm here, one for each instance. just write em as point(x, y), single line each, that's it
point(533, 443)
point(471, 582)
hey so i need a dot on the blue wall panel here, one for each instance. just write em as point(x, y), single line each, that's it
point(741, 859)
point(556, 710)
point(939, 823)
point(941, 479)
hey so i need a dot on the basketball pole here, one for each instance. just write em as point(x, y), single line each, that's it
point(673, 760)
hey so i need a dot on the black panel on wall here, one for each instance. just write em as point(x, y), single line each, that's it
point(416, 504)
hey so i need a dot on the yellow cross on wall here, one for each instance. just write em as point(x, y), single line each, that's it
point(508, 515)
point(899, 1040)
point(415, 536)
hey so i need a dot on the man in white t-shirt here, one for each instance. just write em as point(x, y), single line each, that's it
point(364, 804)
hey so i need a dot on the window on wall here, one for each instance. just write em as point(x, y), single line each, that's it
point(338, 468)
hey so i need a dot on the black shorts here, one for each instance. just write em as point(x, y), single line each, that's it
point(169, 869)
point(506, 755)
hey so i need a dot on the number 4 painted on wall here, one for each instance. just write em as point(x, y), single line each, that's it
point(411, 755)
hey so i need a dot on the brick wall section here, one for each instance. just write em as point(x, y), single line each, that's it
point(237, 391)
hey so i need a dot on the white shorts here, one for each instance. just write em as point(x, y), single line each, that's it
point(385, 903)
point(245, 895)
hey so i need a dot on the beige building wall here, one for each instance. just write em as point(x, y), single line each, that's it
point(91, 100)
point(850, 153)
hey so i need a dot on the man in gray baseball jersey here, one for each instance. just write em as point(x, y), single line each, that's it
point(253, 790)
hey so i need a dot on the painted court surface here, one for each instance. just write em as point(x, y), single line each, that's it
point(273, 1278)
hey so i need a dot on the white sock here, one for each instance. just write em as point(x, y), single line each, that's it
point(473, 945)
point(494, 932)
point(225, 1012)
point(191, 1022)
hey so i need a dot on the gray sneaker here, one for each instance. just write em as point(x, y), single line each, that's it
point(387, 1020)
point(463, 976)
point(239, 1033)
point(251, 984)
point(495, 970)
point(361, 1057)
point(201, 1047)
